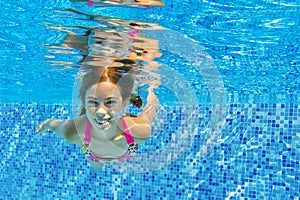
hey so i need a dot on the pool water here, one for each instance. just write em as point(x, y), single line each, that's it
point(228, 124)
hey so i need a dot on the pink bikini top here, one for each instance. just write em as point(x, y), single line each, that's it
point(132, 146)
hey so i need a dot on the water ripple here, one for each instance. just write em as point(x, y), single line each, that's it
point(239, 36)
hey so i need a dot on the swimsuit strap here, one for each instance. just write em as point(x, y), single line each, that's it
point(88, 133)
point(127, 133)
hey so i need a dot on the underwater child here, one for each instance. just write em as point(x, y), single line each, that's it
point(100, 131)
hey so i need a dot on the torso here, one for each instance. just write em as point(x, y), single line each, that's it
point(102, 147)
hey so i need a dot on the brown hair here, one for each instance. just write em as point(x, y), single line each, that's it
point(121, 76)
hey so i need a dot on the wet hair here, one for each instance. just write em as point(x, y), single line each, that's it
point(121, 76)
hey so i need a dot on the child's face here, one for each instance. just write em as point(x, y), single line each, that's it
point(103, 102)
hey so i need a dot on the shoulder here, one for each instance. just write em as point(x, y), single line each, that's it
point(74, 128)
point(139, 128)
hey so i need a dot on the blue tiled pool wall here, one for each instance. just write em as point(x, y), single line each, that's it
point(255, 157)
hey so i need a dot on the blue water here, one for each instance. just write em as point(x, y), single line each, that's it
point(228, 126)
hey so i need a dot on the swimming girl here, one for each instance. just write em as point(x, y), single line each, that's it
point(101, 133)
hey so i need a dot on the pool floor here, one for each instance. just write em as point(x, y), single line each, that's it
point(256, 156)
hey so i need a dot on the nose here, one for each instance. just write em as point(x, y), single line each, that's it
point(100, 112)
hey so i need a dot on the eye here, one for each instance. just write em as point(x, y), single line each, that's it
point(93, 103)
point(111, 102)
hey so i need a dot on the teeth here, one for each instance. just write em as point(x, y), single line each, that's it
point(101, 121)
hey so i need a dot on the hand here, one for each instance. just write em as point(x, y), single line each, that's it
point(44, 126)
point(154, 84)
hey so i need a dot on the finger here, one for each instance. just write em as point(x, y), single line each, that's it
point(38, 130)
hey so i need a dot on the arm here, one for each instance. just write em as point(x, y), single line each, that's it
point(141, 127)
point(66, 129)
point(149, 111)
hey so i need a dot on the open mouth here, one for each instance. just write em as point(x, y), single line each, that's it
point(104, 122)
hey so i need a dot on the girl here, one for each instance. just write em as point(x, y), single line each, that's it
point(101, 133)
